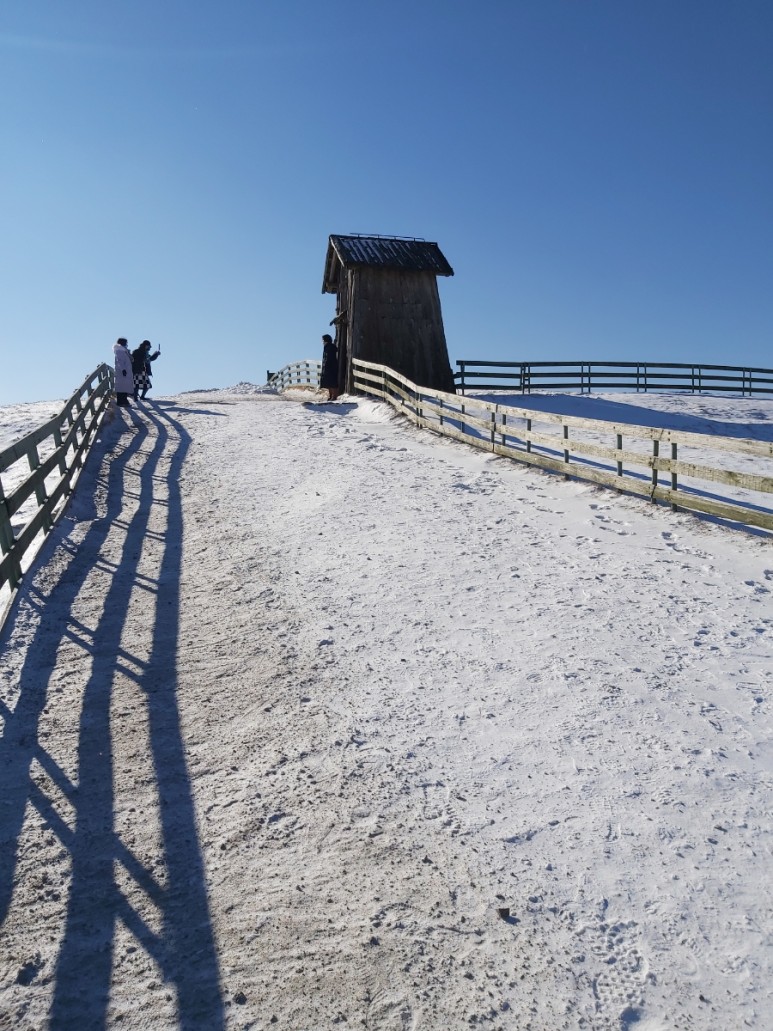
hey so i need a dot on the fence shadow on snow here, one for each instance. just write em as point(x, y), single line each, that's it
point(628, 413)
point(184, 950)
point(719, 476)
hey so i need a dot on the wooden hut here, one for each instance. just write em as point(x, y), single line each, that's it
point(388, 306)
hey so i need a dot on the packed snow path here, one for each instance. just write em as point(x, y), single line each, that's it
point(313, 719)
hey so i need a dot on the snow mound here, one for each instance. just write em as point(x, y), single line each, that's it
point(373, 411)
point(239, 388)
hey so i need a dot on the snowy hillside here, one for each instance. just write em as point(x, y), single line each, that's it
point(313, 719)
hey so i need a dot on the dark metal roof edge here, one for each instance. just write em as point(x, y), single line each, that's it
point(336, 239)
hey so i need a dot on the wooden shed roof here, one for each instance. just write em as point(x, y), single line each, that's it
point(388, 252)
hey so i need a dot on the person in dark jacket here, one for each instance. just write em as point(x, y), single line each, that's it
point(328, 375)
point(141, 359)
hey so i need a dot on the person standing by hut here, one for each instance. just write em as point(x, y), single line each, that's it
point(141, 359)
point(328, 375)
point(123, 372)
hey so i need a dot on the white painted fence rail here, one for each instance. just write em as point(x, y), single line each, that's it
point(683, 469)
point(303, 373)
point(53, 456)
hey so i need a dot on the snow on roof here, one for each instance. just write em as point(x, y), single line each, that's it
point(393, 252)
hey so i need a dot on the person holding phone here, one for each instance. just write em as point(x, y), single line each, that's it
point(141, 359)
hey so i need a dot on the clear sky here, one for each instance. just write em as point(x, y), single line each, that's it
point(599, 173)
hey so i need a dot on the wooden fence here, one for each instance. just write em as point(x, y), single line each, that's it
point(679, 468)
point(304, 374)
point(523, 377)
point(46, 482)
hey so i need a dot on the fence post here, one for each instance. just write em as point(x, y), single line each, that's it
point(655, 453)
point(528, 431)
point(33, 460)
point(70, 424)
point(78, 457)
point(566, 449)
point(619, 459)
point(58, 442)
point(6, 535)
point(674, 485)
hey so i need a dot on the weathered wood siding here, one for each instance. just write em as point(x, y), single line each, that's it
point(395, 319)
point(342, 332)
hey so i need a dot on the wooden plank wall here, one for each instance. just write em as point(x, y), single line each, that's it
point(395, 317)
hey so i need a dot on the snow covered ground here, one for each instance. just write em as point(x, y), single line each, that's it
point(597, 420)
point(310, 718)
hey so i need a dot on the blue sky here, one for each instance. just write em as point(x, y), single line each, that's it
point(599, 173)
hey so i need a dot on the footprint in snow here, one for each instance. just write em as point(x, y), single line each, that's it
point(758, 588)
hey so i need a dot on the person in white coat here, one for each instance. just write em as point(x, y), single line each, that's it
point(124, 380)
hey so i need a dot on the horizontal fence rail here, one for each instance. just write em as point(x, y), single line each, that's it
point(683, 469)
point(304, 374)
point(523, 377)
point(51, 458)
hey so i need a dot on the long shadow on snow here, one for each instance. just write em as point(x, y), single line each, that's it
point(586, 406)
point(185, 948)
point(19, 742)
